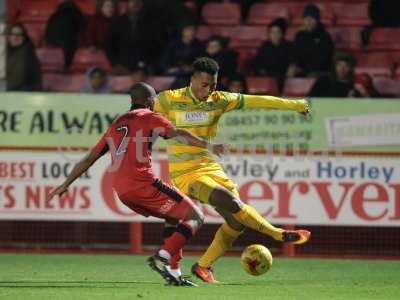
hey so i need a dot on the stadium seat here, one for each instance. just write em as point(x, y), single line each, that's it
point(85, 58)
point(37, 10)
point(51, 59)
point(221, 13)
point(122, 7)
point(120, 84)
point(160, 83)
point(346, 37)
point(291, 33)
point(264, 13)
point(387, 86)
point(262, 85)
point(298, 87)
point(351, 14)
point(205, 31)
point(248, 37)
point(88, 7)
point(375, 64)
point(245, 57)
point(64, 83)
point(327, 16)
point(36, 33)
point(385, 39)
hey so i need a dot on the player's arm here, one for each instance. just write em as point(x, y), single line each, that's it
point(187, 138)
point(163, 127)
point(271, 102)
point(240, 101)
point(81, 167)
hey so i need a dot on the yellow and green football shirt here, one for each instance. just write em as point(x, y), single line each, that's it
point(201, 118)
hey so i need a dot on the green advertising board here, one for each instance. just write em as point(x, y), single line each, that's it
point(76, 120)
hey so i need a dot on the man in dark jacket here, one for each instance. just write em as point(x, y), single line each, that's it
point(275, 55)
point(313, 46)
point(340, 83)
point(64, 29)
point(181, 52)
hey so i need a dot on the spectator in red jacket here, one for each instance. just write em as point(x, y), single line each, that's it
point(99, 24)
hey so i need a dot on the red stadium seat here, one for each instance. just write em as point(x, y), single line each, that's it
point(387, 86)
point(262, 85)
point(64, 83)
point(385, 39)
point(122, 7)
point(351, 14)
point(298, 87)
point(346, 37)
point(264, 13)
point(205, 31)
point(36, 33)
point(221, 13)
point(85, 58)
point(161, 83)
point(327, 16)
point(121, 84)
point(37, 10)
point(245, 57)
point(87, 7)
point(51, 59)
point(375, 64)
point(248, 37)
point(291, 33)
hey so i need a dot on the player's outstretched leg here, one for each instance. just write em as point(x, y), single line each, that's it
point(248, 216)
point(226, 234)
point(161, 261)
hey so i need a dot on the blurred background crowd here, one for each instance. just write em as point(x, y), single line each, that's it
point(292, 48)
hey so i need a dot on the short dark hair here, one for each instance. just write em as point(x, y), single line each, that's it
point(205, 65)
point(97, 70)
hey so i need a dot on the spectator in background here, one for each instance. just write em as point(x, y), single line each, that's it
point(340, 83)
point(226, 58)
point(125, 43)
point(64, 29)
point(23, 70)
point(99, 24)
point(96, 82)
point(181, 52)
point(313, 46)
point(275, 55)
point(383, 13)
point(140, 73)
point(237, 84)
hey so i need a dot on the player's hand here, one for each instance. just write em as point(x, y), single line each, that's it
point(59, 191)
point(219, 149)
point(307, 110)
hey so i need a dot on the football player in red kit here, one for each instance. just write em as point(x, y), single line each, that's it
point(129, 139)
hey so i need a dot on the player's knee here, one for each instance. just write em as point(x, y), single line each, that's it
point(196, 215)
point(225, 200)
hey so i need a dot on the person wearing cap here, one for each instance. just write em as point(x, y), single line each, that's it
point(313, 46)
point(276, 54)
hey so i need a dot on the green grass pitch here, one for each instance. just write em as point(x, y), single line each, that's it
point(25, 276)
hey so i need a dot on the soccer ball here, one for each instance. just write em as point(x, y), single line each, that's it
point(256, 260)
